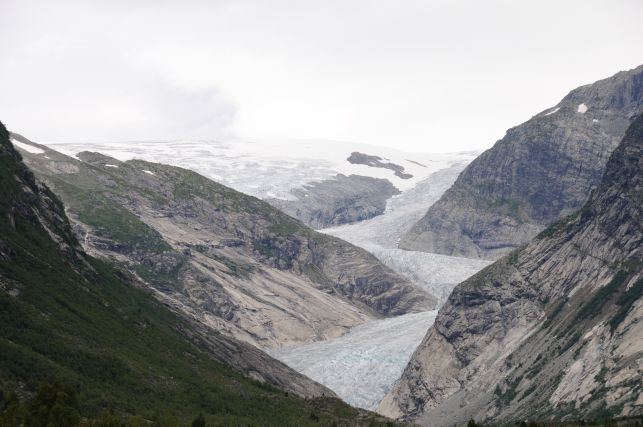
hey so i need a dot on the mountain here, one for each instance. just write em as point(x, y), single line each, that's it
point(339, 200)
point(377, 352)
point(318, 182)
point(552, 330)
point(539, 172)
point(68, 317)
point(221, 258)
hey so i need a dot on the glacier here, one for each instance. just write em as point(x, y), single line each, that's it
point(402, 211)
point(435, 273)
point(362, 365)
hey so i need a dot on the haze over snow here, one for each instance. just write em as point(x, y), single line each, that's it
point(422, 76)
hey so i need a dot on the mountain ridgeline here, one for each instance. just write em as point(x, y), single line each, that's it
point(70, 318)
point(552, 330)
point(151, 294)
point(222, 259)
point(538, 173)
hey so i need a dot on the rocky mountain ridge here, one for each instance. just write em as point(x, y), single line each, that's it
point(229, 260)
point(340, 200)
point(39, 205)
point(309, 179)
point(551, 331)
point(85, 325)
point(541, 171)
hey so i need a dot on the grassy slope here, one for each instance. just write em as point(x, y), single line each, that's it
point(115, 344)
point(93, 201)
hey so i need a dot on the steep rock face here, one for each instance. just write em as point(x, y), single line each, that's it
point(539, 172)
point(552, 330)
point(341, 200)
point(229, 260)
point(36, 203)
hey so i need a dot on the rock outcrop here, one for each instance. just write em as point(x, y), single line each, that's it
point(231, 261)
point(358, 158)
point(550, 331)
point(341, 200)
point(539, 172)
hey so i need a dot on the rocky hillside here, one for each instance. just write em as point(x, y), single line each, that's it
point(539, 172)
point(340, 200)
point(551, 331)
point(228, 260)
point(358, 158)
point(69, 318)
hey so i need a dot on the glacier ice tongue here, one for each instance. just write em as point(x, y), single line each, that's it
point(362, 365)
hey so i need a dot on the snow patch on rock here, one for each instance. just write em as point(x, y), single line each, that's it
point(582, 108)
point(26, 147)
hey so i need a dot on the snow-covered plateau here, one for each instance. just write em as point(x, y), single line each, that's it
point(270, 169)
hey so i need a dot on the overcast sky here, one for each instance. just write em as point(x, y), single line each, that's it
point(421, 75)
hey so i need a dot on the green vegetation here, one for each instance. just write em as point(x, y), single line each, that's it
point(265, 247)
point(504, 398)
point(56, 405)
point(236, 269)
point(101, 198)
point(508, 206)
point(188, 185)
point(611, 422)
point(554, 313)
point(512, 257)
point(573, 339)
point(112, 221)
point(536, 367)
point(625, 302)
point(163, 280)
point(567, 223)
point(555, 229)
point(602, 296)
point(286, 228)
point(70, 319)
point(108, 219)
